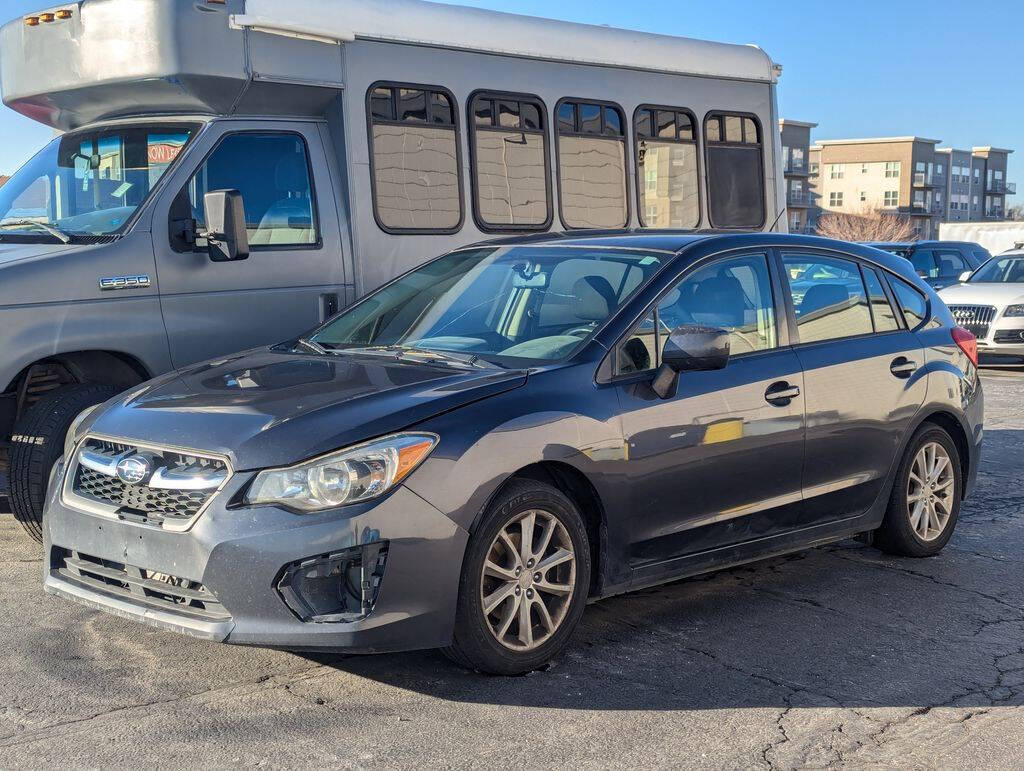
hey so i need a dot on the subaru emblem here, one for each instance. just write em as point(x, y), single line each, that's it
point(133, 469)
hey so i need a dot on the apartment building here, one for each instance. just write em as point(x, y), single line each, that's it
point(796, 144)
point(911, 176)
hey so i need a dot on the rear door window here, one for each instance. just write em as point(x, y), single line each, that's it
point(829, 297)
point(924, 263)
point(950, 263)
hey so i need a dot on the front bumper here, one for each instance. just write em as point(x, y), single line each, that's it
point(239, 554)
point(1004, 341)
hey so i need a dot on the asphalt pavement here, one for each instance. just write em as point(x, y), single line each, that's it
point(833, 656)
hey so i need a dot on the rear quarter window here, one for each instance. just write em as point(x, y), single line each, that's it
point(912, 303)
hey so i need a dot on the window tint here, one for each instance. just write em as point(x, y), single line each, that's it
point(666, 168)
point(951, 263)
point(881, 311)
point(732, 294)
point(510, 167)
point(271, 171)
point(911, 301)
point(415, 161)
point(735, 171)
point(828, 297)
point(561, 305)
point(592, 165)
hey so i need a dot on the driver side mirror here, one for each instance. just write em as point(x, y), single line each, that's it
point(226, 235)
point(690, 348)
point(964, 276)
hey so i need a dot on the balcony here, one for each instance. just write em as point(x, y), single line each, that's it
point(1001, 187)
point(928, 179)
point(995, 214)
point(796, 167)
point(799, 199)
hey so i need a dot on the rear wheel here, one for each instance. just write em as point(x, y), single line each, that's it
point(38, 442)
point(925, 501)
point(524, 582)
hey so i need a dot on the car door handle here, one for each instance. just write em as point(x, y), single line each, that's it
point(780, 394)
point(902, 367)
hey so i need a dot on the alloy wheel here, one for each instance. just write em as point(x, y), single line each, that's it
point(528, 580)
point(931, 491)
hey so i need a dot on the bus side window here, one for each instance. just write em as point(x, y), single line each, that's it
point(511, 179)
point(592, 165)
point(735, 170)
point(414, 158)
point(666, 171)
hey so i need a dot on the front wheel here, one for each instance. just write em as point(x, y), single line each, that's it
point(525, 580)
point(38, 442)
point(925, 501)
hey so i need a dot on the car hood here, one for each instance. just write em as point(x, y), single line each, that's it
point(267, 408)
point(983, 294)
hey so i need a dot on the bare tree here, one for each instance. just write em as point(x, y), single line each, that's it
point(1016, 213)
point(869, 225)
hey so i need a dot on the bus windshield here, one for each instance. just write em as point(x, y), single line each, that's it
point(89, 183)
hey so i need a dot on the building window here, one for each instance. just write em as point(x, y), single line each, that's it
point(892, 198)
point(975, 202)
point(814, 169)
point(939, 169)
point(863, 168)
point(863, 196)
point(511, 180)
point(666, 156)
point(735, 171)
point(795, 225)
point(836, 171)
point(835, 199)
point(414, 158)
point(592, 165)
point(977, 175)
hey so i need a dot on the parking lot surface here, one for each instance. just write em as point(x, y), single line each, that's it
point(839, 655)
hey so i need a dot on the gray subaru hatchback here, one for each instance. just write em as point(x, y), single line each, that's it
point(466, 456)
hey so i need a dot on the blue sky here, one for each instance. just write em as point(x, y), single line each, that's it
point(936, 68)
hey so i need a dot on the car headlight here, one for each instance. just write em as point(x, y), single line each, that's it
point(1014, 310)
point(348, 476)
point(72, 435)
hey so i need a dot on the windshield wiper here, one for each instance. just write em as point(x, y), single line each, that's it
point(420, 355)
point(309, 345)
point(53, 231)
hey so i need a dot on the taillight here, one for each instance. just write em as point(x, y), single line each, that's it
point(967, 343)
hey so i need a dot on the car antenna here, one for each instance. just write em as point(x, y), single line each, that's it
point(781, 212)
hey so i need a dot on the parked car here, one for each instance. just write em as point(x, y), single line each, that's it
point(466, 456)
point(990, 303)
point(940, 263)
point(359, 145)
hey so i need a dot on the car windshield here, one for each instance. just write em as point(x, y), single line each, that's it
point(1000, 270)
point(523, 302)
point(88, 183)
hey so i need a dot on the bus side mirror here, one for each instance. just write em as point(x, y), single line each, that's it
point(226, 236)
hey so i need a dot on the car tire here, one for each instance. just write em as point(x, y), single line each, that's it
point(918, 504)
point(493, 545)
point(38, 442)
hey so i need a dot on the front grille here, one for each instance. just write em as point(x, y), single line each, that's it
point(172, 494)
point(974, 318)
point(139, 585)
